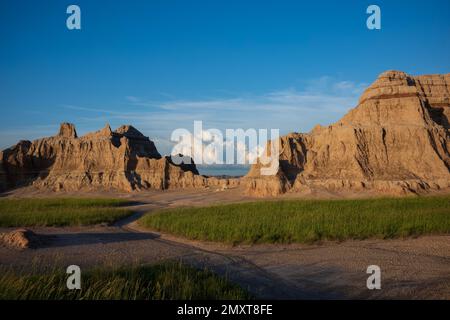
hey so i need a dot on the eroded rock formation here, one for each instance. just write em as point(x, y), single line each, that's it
point(395, 141)
point(123, 159)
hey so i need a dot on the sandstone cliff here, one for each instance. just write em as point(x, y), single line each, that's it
point(123, 159)
point(396, 140)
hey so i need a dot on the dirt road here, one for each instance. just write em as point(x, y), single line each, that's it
point(410, 269)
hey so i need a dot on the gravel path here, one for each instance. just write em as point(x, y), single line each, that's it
point(411, 268)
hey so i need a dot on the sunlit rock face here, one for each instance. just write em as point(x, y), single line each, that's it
point(395, 141)
point(123, 159)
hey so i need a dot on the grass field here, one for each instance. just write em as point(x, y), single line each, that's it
point(162, 282)
point(305, 221)
point(60, 212)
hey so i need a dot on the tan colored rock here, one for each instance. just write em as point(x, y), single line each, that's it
point(67, 130)
point(123, 159)
point(395, 141)
point(20, 239)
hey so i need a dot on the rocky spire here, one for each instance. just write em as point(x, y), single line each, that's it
point(67, 130)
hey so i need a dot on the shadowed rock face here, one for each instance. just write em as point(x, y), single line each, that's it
point(123, 159)
point(396, 140)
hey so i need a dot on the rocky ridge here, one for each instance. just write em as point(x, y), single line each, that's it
point(395, 141)
point(123, 159)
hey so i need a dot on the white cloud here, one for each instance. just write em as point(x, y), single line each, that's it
point(211, 147)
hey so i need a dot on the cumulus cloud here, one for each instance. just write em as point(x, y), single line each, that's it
point(212, 146)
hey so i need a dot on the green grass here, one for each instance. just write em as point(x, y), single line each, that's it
point(60, 211)
point(305, 221)
point(161, 282)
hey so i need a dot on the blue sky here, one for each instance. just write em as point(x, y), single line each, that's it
point(162, 64)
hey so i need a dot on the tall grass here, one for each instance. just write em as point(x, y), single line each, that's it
point(306, 221)
point(60, 211)
point(161, 282)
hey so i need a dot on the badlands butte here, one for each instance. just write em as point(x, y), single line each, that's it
point(395, 141)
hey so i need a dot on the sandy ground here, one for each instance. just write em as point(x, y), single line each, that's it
point(410, 268)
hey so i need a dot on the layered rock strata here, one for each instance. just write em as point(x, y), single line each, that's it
point(123, 159)
point(395, 141)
